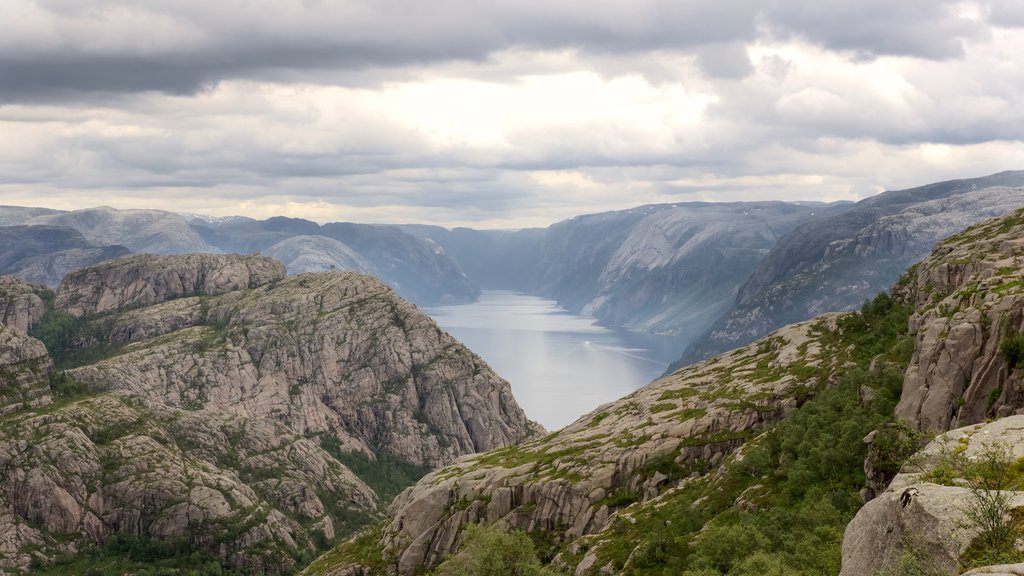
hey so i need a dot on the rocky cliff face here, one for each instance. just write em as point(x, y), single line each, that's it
point(666, 268)
point(227, 418)
point(147, 279)
point(835, 263)
point(969, 297)
point(22, 305)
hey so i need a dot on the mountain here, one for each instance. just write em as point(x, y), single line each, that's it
point(153, 231)
point(15, 215)
point(754, 461)
point(834, 263)
point(672, 268)
point(317, 254)
point(44, 254)
point(491, 259)
point(418, 270)
point(204, 409)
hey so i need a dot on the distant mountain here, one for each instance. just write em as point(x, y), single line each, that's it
point(318, 254)
point(14, 215)
point(672, 268)
point(835, 263)
point(419, 270)
point(44, 254)
point(153, 231)
point(494, 259)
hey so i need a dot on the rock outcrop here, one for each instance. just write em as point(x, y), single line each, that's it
point(335, 352)
point(969, 297)
point(146, 279)
point(21, 306)
point(928, 521)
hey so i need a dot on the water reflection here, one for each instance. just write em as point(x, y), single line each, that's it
point(560, 365)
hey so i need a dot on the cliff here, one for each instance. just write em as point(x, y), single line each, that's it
point(213, 406)
point(834, 263)
point(969, 296)
point(672, 268)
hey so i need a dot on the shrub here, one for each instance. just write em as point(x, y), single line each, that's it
point(1012, 348)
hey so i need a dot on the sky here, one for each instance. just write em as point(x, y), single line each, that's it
point(499, 114)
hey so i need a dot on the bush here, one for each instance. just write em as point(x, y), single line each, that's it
point(490, 551)
point(1012, 349)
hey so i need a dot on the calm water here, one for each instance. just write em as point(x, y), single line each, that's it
point(560, 365)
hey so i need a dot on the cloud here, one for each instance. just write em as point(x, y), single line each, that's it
point(501, 113)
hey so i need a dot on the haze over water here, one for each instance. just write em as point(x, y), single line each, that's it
point(560, 365)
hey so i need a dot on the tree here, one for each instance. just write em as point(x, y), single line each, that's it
point(490, 551)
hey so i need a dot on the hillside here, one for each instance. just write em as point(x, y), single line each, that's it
point(751, 462)
point(671, 268)
point(834, 263)
point(200, 410)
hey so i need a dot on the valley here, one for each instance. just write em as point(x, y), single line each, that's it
point(266, 416)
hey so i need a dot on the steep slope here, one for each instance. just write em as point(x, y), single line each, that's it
point(969, 297)
point(152, 231)
point(317, 254)
point(44, 254)
point(22, 303)
point(201, 422)
point(835, 263)
point(664, 268)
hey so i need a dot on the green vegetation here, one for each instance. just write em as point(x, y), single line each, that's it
point(491, 551)
point(139, 556)
point(799, 482)
point(989, 474)
point(72, 341)
point(1011, 348)
point(387, 475)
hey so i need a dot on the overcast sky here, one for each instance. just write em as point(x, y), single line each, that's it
point(499, 113)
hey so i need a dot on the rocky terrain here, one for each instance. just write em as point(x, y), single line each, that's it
point(212, 405)
point(834, 263)
point(754, 461)
point(924, 510)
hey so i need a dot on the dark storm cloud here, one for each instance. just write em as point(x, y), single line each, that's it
point(931, 29)
point(57, 53)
